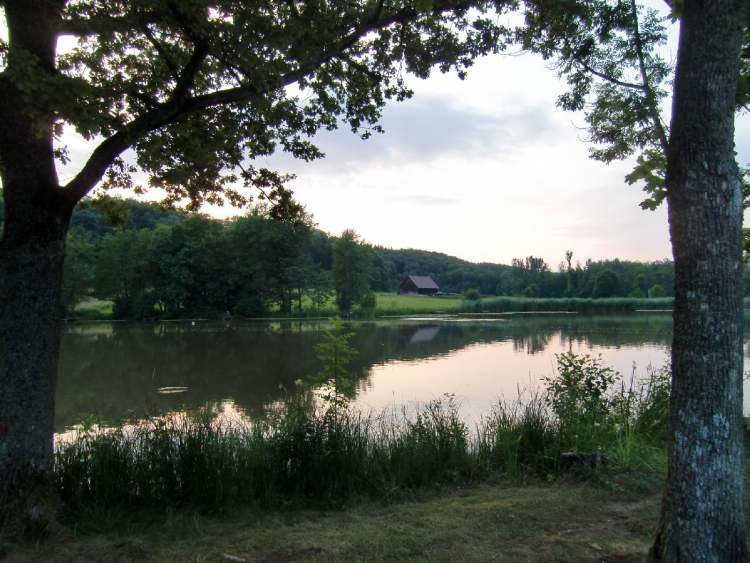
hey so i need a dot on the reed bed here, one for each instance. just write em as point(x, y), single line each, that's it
point(304, 455)
point(573, 304)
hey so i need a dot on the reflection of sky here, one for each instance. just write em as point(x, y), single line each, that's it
point(481, 374)
point(244, 369)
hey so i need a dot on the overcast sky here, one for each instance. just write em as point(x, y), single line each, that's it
point(486, 169)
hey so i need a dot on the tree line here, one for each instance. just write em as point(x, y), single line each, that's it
point(157, 262)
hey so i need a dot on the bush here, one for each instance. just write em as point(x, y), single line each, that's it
point(578, 396)
point(472, 294)
point(657, 290)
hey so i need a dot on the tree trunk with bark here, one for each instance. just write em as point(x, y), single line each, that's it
point(29, 349)
point(37, 214)
point(703, 510)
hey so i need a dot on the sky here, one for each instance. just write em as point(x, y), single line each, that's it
point(486, 169)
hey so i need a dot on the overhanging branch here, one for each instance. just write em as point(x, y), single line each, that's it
point(181, 104)
point(608, 78)
point(84, 27)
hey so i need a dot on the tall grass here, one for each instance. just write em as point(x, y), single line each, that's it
point(302, 455)
point(578, 305)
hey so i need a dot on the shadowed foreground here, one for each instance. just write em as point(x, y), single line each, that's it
point(562, 521)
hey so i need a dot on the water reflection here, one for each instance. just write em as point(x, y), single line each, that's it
point(121, 371)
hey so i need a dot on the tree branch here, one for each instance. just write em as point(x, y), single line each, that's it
point(650, 94)
point(188, 74)
point(96, 26)
point(162, 52)
point(607, 77)
point(180, 105)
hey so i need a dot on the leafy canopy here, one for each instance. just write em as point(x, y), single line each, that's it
point(608, 53)
point(202, 89)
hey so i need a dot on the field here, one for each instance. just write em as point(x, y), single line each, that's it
point(93, 308)
point(395, 304)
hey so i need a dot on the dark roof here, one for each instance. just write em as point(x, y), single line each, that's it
point(423, 282)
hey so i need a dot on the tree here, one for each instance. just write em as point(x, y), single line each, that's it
point(703, 513)
point(196, 90)
point(472, 294)
point(657, 290)
point(78, 273)
point(606, 284)
point(352, 260)
point(608, 48)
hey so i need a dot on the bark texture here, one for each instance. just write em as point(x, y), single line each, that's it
point(703, 511)
point(31, 259)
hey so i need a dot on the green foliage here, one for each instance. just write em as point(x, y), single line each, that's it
point(297, 454)
point(578, 396)
point(574, 304)
point(368, 303)
point(335, 354)
point(531, 290)
point(200, 89)
point(608, 53)
point(78, 270)
point(162, 263)
point(607, 284)
point(471, 294)
point(656, 290)
point(352, 259)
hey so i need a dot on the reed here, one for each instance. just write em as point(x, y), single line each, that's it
point(304, 455)
point(576, 305)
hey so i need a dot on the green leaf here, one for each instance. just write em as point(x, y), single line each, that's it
point(423, 6)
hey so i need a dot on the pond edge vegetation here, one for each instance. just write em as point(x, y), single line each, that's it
point(308, 453)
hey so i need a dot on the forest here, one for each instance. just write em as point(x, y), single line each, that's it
point(152, 262)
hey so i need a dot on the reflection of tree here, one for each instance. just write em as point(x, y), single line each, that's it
point(532, 343)
point(114, 370)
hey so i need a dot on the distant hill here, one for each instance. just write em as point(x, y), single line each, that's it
point(452, 274)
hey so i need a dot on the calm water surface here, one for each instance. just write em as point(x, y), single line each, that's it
point(121, 372)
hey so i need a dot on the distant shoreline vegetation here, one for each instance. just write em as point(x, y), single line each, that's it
point(573, 305)
point(394, 305)
point(130, 260)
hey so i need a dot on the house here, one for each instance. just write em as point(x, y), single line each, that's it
point(419, 285)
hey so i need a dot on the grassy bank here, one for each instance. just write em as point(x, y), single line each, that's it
point(391, 304)
point(395, 304)
point(194, 488)
point(577, 305)
point(304, 456)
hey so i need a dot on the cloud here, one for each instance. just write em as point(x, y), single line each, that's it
point(426, 129)
point(424, 200)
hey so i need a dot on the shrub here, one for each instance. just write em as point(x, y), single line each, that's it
point(471, 294)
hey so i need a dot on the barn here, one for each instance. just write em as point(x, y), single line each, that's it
point(418, 285)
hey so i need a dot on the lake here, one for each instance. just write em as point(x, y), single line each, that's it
point(122, 371)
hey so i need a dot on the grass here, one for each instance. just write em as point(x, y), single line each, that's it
point(184, 488)
point(92, 308)
point(306, 456)
point(392, 304)
point(564, 520)
point(395, 304)
point(578, 305)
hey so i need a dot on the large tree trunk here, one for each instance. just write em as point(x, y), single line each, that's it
point(31, 262)
point(703, 512)
point(37, 214)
